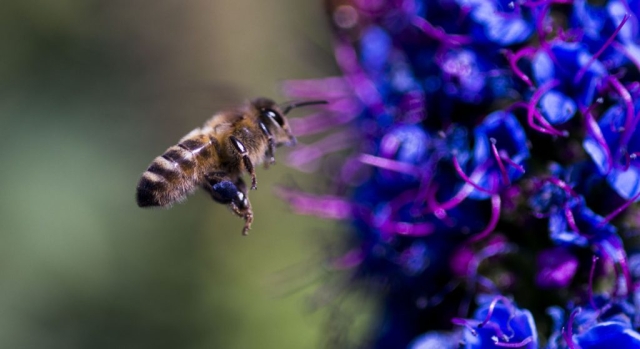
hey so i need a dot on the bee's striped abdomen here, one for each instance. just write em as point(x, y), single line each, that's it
point(204, 149)
point(178, 171)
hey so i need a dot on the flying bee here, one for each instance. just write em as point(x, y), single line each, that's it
point(216, 155)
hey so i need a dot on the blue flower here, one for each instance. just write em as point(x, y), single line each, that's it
point(615, 148)
point(436, 340)
point(598, 25)
point(568, 77)
point(606, 335)
point(590, 328)
point(576, 225)
point(498, 322)
point(499, 22)
point(401, 156)
point(499, 153)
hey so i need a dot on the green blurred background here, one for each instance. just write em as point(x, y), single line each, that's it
point(90, 92)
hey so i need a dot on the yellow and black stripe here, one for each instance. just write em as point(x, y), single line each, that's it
point(177, 172)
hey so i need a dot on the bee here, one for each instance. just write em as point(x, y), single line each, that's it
point(216, 155)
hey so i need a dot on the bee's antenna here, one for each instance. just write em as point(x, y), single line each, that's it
point(292, 105)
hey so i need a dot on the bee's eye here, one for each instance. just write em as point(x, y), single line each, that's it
point(273, 115)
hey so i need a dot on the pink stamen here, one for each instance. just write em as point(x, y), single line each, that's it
point(562, 185)
point(542, 34)
point(441, 208)
point(539, 23)
point(612, 125)
point(320, 122)
point(630, 122)
point(304, 157)
point(628, 130)
point(389, 227)
point(515, 345)
point(568, 335)
point(487, 284)
point(594, 129)
point(547, 126)
point(464, 177)
point(583, 70)
point(496, 155)
point(541, 215)
point(538, 116)
point(612, 248)
point(619, 210)
point(492, 307)
point(464, 12)
point(363, 87)
point(460, 196)
point(571, 219)
point(634, 88)
point(594, 259)
point(327, 88)
point(626, 273)
point(545, 2)
point(390, 164)
point(439, 34)
point(495, 326)
point(627, 54)
point(513, 59)
point(606, 308)
point(401, 200)
point(571, 35)
point(406, 229)
point(531, 108)
point(627, 161)
point(465, 323)
point(494, 247)
point(349, 260)
point(504, 156)
point(593, 105)
point(616, 284)
point(493, 221)
point(440, 296)
point(326, 206)
point(350, 172)
point(425, 182)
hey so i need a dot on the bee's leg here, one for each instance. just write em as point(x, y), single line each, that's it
point(242, 150)
point(242, 206)
point(225, 191)
point(271, 147)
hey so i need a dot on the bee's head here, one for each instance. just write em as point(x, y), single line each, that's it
point(274, 118)
point(271, 116)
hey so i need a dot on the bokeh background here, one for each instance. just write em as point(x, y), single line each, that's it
point(90, 92)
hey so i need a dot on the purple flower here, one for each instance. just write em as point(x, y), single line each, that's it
point(476, 147)
point(556, 268)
